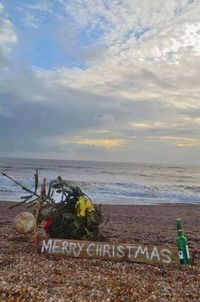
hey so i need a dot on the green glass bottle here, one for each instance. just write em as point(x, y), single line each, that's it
point(182, 245)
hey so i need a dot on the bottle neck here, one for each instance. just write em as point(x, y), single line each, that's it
point(180, 233)
point(178, 224)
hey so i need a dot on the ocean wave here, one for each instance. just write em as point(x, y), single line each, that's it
point(75, 167)
point(6, 190)
point(6, 167)
point(193, 188)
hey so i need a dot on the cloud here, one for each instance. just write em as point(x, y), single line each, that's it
point(131, 87)
point(1, 8)
point(42, 6)
point(185, 142)
point(33, 15)
point(172, 39)
point(7, 34)
point(8, 37)
point(67, 35)
point(104, 143)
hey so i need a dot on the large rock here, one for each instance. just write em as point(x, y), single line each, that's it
point(24, 222)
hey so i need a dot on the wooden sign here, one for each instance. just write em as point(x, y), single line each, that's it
point(150, 254)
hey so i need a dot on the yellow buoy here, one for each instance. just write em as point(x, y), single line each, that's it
point(83, 205)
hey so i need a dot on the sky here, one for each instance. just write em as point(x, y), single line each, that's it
point(113, 80)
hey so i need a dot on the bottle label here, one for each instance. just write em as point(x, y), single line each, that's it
point(180, 253)
point(187, 251)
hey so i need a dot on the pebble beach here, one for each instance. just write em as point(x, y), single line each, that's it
point(28, 276)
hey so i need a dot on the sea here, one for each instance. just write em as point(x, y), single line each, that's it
point(106, 182)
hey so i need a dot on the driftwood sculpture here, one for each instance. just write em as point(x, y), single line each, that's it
point(65, 212)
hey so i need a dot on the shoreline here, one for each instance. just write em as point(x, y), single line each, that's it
point(138, 203)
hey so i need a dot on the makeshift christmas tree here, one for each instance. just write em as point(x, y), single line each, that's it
point(71, 213)
point(64, 212)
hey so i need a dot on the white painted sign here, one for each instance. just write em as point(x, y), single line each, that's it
point(127, 252)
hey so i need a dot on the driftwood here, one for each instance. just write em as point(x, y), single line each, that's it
point(38, 206)
point(150, 254)
point(28, 197)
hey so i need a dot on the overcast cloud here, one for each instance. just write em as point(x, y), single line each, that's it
point(100, 80)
